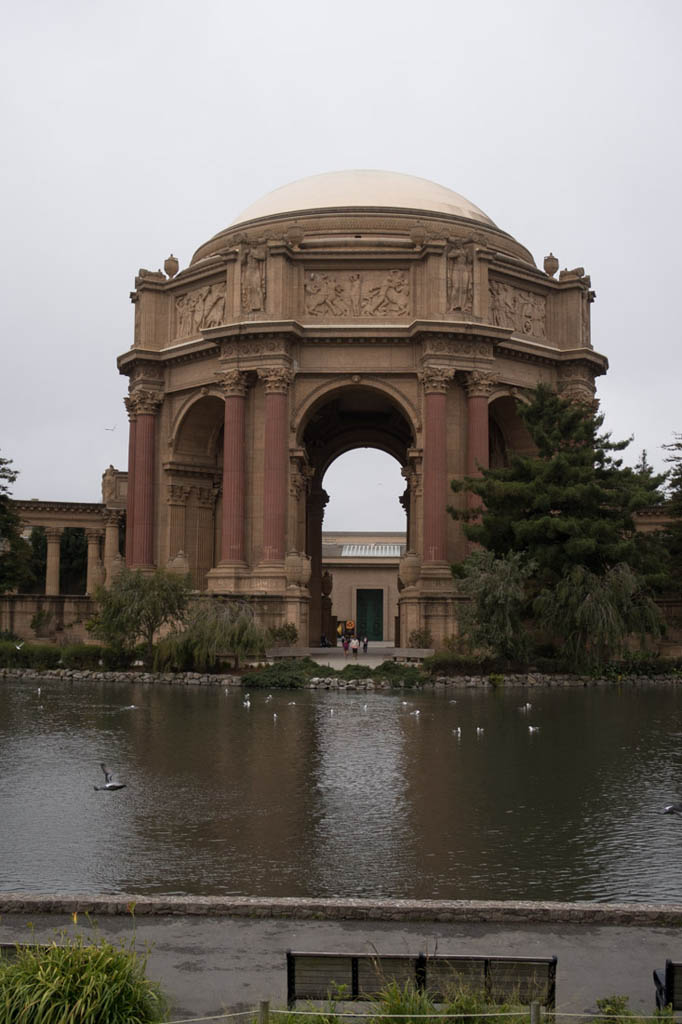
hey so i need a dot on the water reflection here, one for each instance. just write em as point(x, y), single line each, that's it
point(342, 794)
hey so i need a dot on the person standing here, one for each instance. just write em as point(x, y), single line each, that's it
point(364, 645)
point(355, 646)
point(345, 645)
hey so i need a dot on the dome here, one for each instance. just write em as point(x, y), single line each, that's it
point(366, 190)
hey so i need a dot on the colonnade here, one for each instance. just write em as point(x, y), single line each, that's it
point(143, 406)
point(101, 562)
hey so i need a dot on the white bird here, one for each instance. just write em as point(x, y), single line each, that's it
point(457, 732)
point(415, 714)
point(404, 703)
point(673, 809)
point(292, 704)
point(38, 691)
point(525, 707)
point(479, 730)
point(331, 711)
point(364, 707)
point(533, 728)
point(268, 698)
point(110, 781)
point(111, 428)
point(19, 646)
point(452, 702)
point(274, 716)
point(246, 703)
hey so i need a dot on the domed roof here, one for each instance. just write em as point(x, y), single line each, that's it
point(363, 189)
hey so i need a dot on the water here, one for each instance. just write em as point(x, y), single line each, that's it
point(342, 794)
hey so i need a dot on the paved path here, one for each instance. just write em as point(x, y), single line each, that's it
point(334, 657)
point(211, 964)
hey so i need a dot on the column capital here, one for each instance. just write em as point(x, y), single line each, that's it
point(232, 382)
point(144, 402)
point(277, 379)
point(479, 383)
point(53, 533)
point(435, 379)
point(93, 533)
point(113, 516)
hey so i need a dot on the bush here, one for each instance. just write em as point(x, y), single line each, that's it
point(7, 634)
point(78, 982)
point(117, 658)
point(354, 670)
point(282, 636)
point(290, 673)
point(420, 638)
point(10, 657)
point(43, 656)
point(398, 674)
point(81, 656)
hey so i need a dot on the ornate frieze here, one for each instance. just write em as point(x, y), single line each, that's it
point(198, 309)
point(378, 294)
point(521, 310)
point(479, 383)
point(455, 345)
point(435, 379)
point(253, 278)
point(247, 349)
point(232, 382)
point(277, 379)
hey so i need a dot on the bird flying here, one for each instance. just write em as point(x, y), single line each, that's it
point(110, 780)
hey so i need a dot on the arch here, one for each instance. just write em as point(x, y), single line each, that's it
point(197, 428)
point(318, 397)
point(508, 433)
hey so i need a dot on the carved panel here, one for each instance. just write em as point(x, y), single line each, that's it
point(377, 294)
point(200, 308)
point(454, 345)
point(519, 309)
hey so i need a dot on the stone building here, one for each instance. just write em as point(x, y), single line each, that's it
point(352, 309)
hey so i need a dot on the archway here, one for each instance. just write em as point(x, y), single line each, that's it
point(342, 420)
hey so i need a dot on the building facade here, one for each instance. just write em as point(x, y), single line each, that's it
point(355, 309)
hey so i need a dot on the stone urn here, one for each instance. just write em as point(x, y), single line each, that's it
point(297, 568)
point(326, 583)
point(409, 568)
point(551, 264)
point(171, 266)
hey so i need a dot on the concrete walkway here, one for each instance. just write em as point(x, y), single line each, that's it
point(334, 657)
point(208, 965)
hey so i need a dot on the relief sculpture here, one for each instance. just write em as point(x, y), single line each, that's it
point(516, 308)
point(201, 308)
point(253, 279)
point(372, 293)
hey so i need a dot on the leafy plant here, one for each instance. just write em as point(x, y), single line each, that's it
point(78, 982)
point(81, 656)
point(493, 620)
point(289, 673)
point(282, 636)
point(212, 630)
point(420, 639)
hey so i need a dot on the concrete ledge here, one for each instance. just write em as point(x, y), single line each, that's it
point(499, 911)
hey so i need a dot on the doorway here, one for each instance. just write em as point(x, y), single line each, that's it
point(370, 614)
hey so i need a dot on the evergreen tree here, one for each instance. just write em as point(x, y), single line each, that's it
point(15, 552)
point(673, 532)
point(572, 503)
point(568, 512)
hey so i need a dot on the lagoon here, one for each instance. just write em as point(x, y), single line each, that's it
point(343, 793)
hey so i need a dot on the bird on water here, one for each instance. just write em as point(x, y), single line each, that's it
point(110, 780)
point(673, 809)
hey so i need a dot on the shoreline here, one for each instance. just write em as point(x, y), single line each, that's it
point(351, 909)
point(322, 682)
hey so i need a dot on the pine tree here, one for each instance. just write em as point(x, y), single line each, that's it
point(673, 532)
point(15, 552)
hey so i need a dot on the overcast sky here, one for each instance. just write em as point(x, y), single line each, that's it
point(133, 129)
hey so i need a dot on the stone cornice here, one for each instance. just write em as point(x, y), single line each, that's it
point(528, 351)
point(72, 507)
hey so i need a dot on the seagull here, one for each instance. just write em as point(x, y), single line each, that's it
point(19, 646)
point(110, 780)
point(457, 732)
point(111, 428)
point(673, 809)
point(452, 702)
point(525, 707)
point(292, 704)
point(274, 716)
point(415, 714)
point(38, 691)
point(479, 730)
point(533, 728)
point(268, 698)
point(364, 707)
point(246, 703)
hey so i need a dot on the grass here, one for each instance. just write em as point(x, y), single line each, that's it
point(78, 983)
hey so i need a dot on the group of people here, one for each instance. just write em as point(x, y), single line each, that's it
point(352, 644)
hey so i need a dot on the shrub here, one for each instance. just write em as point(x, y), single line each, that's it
point(7, 634)
point(420, 638)
point(78, 982)
point(43, 656)
point(354, 670)
point(282, 636)
point(290, 673)
point(398, 674)
point(81, 656)
point(10, 657)
point(117, 658)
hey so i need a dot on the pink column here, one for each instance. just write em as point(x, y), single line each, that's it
point(146, 404)
point(478, 388)
point(234, 467)
point(435, 485)
point(130, 500)
point(277, 383)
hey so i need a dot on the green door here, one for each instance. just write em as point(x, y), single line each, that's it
point(370, 614)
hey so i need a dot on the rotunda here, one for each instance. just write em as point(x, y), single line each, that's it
point(352, 309)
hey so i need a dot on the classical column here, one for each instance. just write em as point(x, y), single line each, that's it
point(317, 500)
point(95, 571)
point(130, 499)
point(54, 536)
point(146, 405)
point(234, 385)
point(435, 480)
point(112, 558)
point(277, 382)
point(478, 386)
point(178, 495)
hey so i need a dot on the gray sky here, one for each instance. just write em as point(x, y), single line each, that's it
point(133, 129)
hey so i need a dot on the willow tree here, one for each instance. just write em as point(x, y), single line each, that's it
point(568, 510)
